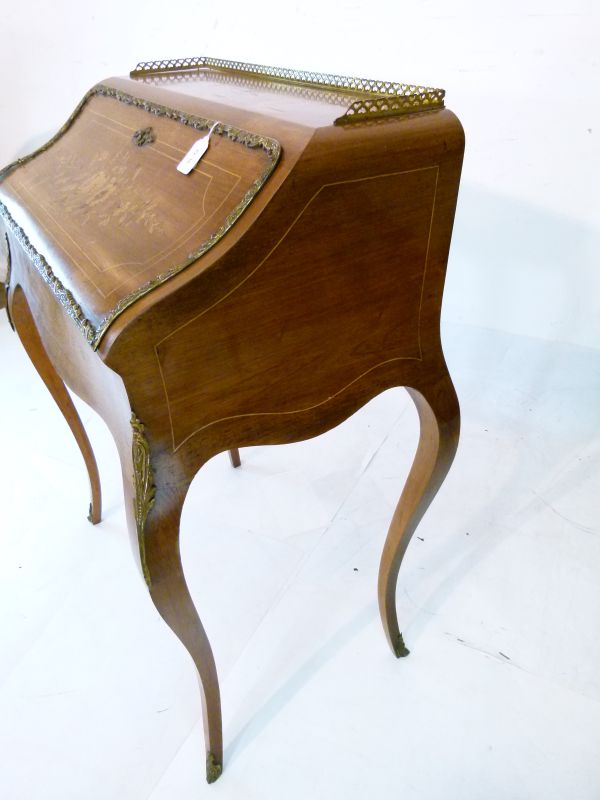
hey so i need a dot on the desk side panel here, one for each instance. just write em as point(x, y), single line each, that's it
point(332, 296)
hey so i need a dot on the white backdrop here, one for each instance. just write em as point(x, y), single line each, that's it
point(523, 76)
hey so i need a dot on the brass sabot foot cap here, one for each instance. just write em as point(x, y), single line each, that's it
point(400, 649)
point(213, 768)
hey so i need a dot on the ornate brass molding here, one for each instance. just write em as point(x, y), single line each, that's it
point(94, 334)
point(372, 98)
point(143, 478)
point(144, 136)
point(6, 284)
point(63, 295)
point(305, 91)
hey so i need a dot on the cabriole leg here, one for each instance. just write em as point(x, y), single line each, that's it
point(157, 513)
point(234, 457)
point(25, 327)
point(172, 599)
point(439, 418)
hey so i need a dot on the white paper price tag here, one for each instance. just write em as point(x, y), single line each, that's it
point(195, 153)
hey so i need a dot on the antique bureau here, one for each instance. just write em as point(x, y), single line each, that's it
point(261, 295)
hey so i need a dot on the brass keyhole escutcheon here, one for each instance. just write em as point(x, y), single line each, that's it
point(144, 136)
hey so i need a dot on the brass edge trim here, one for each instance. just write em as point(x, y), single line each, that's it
point(7, 281)
point(63, 295)
point(94, 335)
point(143, 478)
point(411, 96)
point(62, 130)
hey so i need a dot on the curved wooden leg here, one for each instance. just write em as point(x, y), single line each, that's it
point(155, 524)
point(234, 457)
point(30, 338)
point(439, 417)
point(170, 595)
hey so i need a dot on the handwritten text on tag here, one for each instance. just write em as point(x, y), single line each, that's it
point(195, 153)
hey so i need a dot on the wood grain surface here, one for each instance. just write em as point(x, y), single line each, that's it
point(327, 291)
point(118, 215)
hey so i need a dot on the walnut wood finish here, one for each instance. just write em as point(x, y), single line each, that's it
point(99, 189)
point(234, 457)
point(439, 419)
point(326, 291)
point(30, 339)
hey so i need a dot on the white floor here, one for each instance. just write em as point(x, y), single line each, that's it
point(499, 598)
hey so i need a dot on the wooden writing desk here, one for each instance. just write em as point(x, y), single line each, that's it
point(294, 273)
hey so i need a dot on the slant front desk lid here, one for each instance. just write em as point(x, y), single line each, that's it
point(116, 216)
